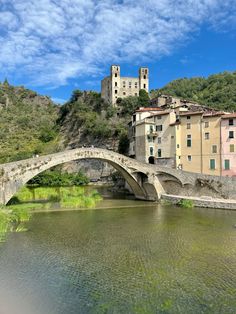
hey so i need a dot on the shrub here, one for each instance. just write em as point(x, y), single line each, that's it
point(186, 203)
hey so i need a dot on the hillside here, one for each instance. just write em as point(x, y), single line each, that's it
point(217, 91)
point(27, 123)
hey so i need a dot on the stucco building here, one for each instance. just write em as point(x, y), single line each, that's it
point(184, 135)
point(115, 86)
point(228, 140)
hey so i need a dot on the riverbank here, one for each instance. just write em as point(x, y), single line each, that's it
point(204, 201)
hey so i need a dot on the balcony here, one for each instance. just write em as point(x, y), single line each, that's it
point(152, 133)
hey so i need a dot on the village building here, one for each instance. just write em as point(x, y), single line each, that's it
point(228, 144)
point(115, 86)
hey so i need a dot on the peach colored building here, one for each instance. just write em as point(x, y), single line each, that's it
point(228, 144)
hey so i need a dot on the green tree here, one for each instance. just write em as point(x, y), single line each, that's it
point(143, 99)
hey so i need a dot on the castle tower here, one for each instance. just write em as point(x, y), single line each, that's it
point(115, 82)
point(143, 79)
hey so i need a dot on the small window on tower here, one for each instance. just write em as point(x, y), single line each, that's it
point(115, 91)
point(144, 77)
point(115, 83)
point(144, 85)
point(115, 74)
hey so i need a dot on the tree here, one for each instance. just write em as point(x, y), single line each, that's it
point(143, 99)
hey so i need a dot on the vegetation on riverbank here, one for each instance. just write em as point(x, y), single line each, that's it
point(55, 178)
point(12, 219)
point(186, 203)
point(30, 199)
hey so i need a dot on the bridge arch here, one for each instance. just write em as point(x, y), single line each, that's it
point(19, 173)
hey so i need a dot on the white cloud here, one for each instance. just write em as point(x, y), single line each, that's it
point(51, 41)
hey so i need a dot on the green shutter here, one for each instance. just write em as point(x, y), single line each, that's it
point(227, 164)
point(212, 164)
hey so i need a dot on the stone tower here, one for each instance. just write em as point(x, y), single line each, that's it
point(115, 86)
point(115, 82)
point(143, 79)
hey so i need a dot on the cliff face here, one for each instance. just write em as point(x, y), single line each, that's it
point(27, 123)
point(86, 120)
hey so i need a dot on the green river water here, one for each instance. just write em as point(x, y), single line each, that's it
point(126, 256)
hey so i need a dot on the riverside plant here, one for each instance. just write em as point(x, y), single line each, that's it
point(67, 197)
point(186, 203)
point(12, 219)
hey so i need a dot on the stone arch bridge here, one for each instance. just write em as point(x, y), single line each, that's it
point(145, 180)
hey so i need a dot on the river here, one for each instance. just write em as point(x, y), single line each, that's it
point(126, 256)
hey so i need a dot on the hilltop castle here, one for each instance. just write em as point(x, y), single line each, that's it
point(115, 86)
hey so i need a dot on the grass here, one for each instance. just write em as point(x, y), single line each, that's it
point(186, 203)
point(18, 211)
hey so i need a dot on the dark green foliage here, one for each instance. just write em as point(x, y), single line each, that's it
point(143, 99)
point(128, 105)
point(123, 144)
point(217, 91)
point(58, 178)
point(90, 114)
point(27, 123)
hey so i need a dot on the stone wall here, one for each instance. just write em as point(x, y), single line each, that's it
point(202, 202)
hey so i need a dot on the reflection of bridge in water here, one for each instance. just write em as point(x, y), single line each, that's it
point(148, 182)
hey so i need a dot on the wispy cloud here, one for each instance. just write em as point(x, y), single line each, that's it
point(51, 41)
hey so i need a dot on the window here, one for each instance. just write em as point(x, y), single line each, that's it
point(231, 148)
point(150, 139)
point(159, 140)
point(188, 117)
point(159, 117)
point(231, 134)
point(136, 85)
point(136, 94)
point(115, 74)
point(188, 125)
point(189, 140)
point(231, 121)
point(206, 125)
point(212, 164)
point(115, 91)
point(189, 158)
point(214, 149)
point(130, 84)
point(144, 77)
point(115, 83)
point(177, 145)
point(227, 164)
point(124, 93)
point(144, 85)
point(207, 136)
point(151, 151)
point(159, 153)
point(172, 137)
point(159, 128)
point(151, 128)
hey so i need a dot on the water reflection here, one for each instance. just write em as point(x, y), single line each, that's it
point(143, 258)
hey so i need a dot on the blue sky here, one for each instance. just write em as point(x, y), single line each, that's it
point(54, 47)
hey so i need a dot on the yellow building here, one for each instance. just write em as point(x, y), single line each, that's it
point(190, 142)
point(200, 142)
point(211, 143)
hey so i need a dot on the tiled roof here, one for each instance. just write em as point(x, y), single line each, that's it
point(229, 115)
point(189, 113)
point(143, 109)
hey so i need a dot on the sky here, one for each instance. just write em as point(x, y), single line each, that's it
point(55, 47)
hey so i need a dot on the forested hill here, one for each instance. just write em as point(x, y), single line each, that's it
point(217, 91)
point(27, 123)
